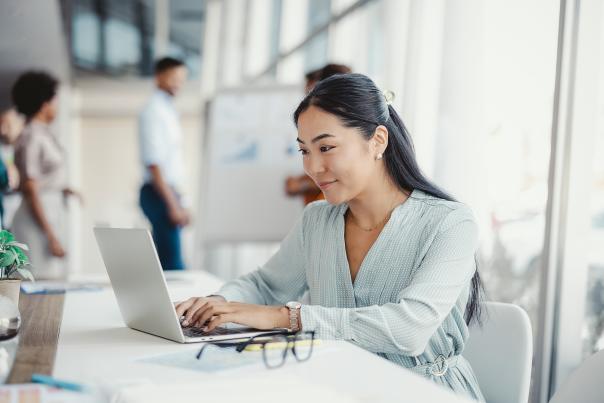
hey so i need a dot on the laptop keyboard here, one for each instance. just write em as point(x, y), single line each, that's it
point(219, 331)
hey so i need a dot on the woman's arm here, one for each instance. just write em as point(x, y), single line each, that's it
point(407, 326)
point(281, 279)
point(258, 298)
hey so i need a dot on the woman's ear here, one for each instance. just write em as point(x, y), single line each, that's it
point(380, 140)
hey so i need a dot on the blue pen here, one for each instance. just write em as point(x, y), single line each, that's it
point(50, 381)
point(46, 292)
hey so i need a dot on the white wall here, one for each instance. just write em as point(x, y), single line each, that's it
point(106, 166)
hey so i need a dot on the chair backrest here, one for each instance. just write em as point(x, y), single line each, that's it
point(500, 352)
point(584, 384)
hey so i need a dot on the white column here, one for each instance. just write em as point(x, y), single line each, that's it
point(211, 48)
point(396, 20)
point(258, 37)
point(414, 67)
point(234, 40)
point(162, 27)
point(293, 31)
point(346, 46)
point(458, 166)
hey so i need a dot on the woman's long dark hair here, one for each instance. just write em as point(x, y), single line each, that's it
point(358, 103)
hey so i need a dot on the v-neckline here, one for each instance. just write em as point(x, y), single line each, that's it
point(371, 251)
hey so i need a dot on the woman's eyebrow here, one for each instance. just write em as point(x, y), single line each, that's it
point(319, 137)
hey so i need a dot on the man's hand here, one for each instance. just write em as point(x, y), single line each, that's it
point(179, 216)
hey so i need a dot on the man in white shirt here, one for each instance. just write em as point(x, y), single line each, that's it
point(160, 141)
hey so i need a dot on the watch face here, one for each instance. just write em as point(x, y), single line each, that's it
point(293, 304)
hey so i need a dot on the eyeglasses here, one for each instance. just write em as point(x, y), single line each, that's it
point(274, 346)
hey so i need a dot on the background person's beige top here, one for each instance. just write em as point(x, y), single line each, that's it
point(39, 156)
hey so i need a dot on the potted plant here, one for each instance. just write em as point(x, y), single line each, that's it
point(13, 262)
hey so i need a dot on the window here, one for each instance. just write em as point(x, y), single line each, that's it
point(111, 36)
point(117, 37)
point(186, 30)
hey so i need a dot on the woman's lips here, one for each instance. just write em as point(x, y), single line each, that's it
point(326, 184)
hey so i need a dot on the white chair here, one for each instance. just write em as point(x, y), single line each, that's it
point(584, 384)
point(501, 353)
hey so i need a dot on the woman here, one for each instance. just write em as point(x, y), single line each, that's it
point(38, 222)
point(387, 259)
point(303, 185)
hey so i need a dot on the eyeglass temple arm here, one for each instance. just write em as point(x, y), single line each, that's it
point(241, 346)
point(221, 345)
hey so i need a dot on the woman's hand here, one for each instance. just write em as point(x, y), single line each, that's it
point(186, 309)
point(55, 247)
point(68, 192)
point(216, 311)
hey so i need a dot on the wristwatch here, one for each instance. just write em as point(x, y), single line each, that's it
point(294, 314)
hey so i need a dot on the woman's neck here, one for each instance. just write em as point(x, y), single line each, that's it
point(375, 204)
point(39, 119)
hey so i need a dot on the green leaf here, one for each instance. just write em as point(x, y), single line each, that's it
point(6, 236)
point(18, 245)
point(7, 258)
point(21, 256)
point(12, 255)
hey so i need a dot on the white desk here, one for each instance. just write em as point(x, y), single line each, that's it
point(95, 346)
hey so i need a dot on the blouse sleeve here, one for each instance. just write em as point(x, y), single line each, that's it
point(405, 327)
point(28, 159)
point(281, 279)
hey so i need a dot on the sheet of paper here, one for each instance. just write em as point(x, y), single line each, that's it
point(215, 359)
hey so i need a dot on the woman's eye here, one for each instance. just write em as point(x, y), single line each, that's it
point(302, 151)
point(325, 148)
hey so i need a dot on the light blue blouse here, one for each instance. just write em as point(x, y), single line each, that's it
point(408, 300)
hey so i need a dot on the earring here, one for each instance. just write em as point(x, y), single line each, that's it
point(379, 156)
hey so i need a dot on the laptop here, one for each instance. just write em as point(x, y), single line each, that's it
point(140, 287)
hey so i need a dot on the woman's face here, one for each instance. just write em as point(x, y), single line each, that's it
point(50, 109)
point(338, 158)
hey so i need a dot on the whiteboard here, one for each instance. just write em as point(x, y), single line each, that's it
point(249, 150)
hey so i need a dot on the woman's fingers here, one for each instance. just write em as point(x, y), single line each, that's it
point(202, 315)
point(187, 308)
point(215, 312)
point(182, 306)
point(200, 304)
point(212, 308)
point(219, 320)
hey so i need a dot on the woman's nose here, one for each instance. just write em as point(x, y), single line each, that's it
point(314, 166)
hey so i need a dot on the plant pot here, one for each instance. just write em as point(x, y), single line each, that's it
point(11, 290)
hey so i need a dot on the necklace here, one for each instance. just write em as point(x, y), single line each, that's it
point(356, 224)
point(354, 221)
